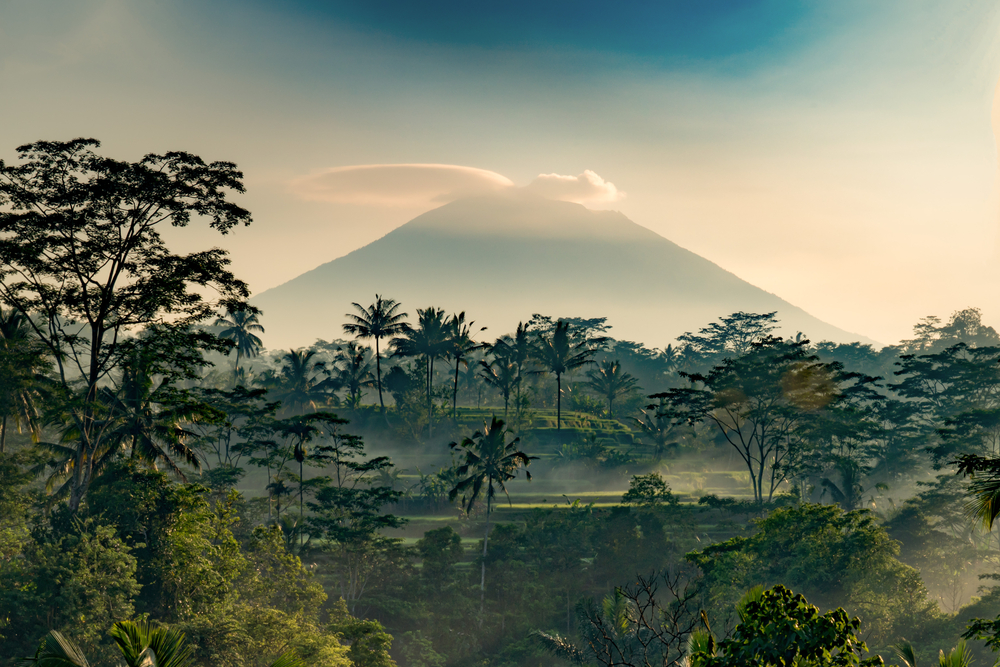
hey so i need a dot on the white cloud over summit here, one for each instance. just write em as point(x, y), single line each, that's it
point(409, 185)
point(587, 188)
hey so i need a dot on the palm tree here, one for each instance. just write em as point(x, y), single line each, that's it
point(240, 327)
point(460, 345)
point(429, 340)
point(502, 375)
point(611, 382)
point(140, 644)
point(148, 418)
point(379, 320)
point(352, 371)
point(516, 349)
point(22, 376)
point(558, 355)
point(490, 461)
point(298, 382)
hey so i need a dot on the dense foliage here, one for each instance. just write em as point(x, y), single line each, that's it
point(304, 506)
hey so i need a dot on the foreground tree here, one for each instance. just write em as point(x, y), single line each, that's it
point(82, 257)
point(380, 320)
point(490, 461)
point(779, 628)
point(647, 622)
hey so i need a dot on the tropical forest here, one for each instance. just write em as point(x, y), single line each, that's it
point(415, 489)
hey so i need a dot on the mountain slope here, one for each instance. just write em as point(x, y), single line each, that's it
point(501, 258)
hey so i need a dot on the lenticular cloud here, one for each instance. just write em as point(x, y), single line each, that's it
point(398, 184)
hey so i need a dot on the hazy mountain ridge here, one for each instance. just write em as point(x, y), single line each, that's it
point(501, 258)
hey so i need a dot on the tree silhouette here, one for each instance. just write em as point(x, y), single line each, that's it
point(611, 382)
point(430, 340)
point(352, 371)
point(490, 461)
point(298, 385)
point(558, 355)
point(460, 345)
point(81, 255)
point(502, 375)
point(380, 320)
point(516, 349)
point(240, 326)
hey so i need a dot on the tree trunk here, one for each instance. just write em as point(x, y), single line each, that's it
point(558, 402)
point(430, 403)
point(301, 505)
point(378, 375)
point(482, 576)
point(3, 435)
point(454, 394)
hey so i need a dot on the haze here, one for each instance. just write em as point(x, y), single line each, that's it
point(840, 155)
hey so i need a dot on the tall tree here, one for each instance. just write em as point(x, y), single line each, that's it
point(460, 345)
point(81, 255)
point(731, 336)
point(516, 349)
point(761, 403)
point(430, 340)
point(240, 326)
point(490, 461)
point(558, 355)
point(610, 381)
point(380, 320)
point(502, 375)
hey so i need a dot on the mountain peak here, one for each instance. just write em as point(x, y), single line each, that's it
point(503, 257)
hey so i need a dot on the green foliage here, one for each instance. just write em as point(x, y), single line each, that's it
point(648, 491)
point(781, 629)
point(369, 642)
point(82, 258)
point(763, 404)
point(75, 576)
point(834, 557)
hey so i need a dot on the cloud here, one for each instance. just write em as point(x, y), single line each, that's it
point(398, 184)
point(587, 188)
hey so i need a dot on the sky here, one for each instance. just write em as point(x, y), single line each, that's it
point(839, 154)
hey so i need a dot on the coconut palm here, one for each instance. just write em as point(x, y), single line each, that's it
point(558, 355)
point(429, 340)
point(239, 329)
point(490, 461)
point(380, 320)
point(610, 381)
point(140, 644)
point(516, 349)
point(352, 371)
point(460, 345)
point(298, 383)
point(502, 375)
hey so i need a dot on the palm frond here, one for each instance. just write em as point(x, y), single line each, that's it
point(55, 650)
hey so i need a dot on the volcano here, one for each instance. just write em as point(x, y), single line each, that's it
point(501, 258)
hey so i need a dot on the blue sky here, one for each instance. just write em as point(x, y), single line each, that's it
point(829, 152)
